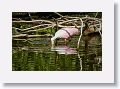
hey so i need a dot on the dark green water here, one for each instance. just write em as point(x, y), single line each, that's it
point(35, 54)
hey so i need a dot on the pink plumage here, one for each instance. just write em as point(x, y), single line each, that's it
point(64, 33)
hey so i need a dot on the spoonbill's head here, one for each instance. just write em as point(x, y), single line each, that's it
point(53, 41)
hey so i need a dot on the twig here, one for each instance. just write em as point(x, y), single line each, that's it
point(96, 14)
point(81, 31)
point(30, 16)
point(58, 14)
point(80, 59)
point(16, 28)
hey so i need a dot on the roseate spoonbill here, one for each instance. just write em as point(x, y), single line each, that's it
point(67, 33)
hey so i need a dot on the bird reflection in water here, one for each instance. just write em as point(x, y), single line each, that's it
point(66, 50)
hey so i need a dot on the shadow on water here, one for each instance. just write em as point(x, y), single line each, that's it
point(35, 54)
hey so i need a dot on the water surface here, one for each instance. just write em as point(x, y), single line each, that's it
point(35, 54)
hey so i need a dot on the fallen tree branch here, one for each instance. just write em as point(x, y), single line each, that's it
point(22, 30)
point(23, 21)
point(37, 29)
point(68, 21)
point(24, 36)
point(61, 26)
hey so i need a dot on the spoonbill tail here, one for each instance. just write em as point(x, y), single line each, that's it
point(66, 33)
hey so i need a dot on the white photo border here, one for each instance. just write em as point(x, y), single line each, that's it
point(104, 76)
